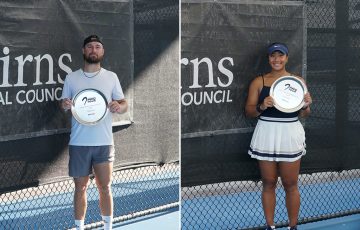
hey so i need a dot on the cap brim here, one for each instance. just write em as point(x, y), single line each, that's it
point(277, 50)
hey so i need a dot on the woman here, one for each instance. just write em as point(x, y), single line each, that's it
point(278, 141)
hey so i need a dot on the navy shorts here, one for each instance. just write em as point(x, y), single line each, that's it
point(82, 158)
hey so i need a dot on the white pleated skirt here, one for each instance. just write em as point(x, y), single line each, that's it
point(278, 139)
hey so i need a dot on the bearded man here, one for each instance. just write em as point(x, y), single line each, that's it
point(91, 147)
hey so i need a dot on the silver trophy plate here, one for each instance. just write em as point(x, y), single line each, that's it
point(288, 94)
point(89, 106)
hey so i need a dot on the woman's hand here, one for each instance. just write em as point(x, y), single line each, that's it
point(307, 100)
point(267, 103)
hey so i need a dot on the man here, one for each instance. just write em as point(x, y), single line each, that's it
point(92, 146)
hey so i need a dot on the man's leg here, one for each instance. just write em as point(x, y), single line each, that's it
point(79, 169)
point(103, 176)
point(80, 200)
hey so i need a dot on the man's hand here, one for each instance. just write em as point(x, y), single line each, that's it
point(66, 104)
point(118, 106)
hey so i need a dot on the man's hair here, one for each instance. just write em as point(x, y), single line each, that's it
point(92, 38)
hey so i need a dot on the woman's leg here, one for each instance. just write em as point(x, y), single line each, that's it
point(289, 173)
point(269, 177)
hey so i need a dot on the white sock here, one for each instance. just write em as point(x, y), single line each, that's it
point(107, 222)
point(79, 224)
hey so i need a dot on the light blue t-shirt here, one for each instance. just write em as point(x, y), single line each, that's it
point(106, 82)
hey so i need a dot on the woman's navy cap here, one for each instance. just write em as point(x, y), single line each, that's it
point(278, 47)
point(92, 38)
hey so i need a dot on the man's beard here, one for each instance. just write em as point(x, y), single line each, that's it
point(92, 59)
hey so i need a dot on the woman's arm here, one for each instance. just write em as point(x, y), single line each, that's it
point(252, 99)
point(305, 110)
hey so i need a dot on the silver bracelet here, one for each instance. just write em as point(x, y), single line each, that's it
point(258, 108)
point(304, 108)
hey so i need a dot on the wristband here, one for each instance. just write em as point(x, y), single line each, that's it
point(258, 108)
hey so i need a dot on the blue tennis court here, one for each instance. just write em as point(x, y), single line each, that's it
point(164, 220)
point(170, 220)
point(151, 193)
point(244, 209)
point(342, 223)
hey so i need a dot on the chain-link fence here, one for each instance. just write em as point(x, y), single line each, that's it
point(237, 204)
point(139, 188)
point(137, 191)
point(332, 76)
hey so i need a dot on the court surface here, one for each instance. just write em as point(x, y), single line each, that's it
point(165, 220)
point(58, 209)
point(55, 210)
point(246, 210)
point(169, 220)
point(342, 223)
